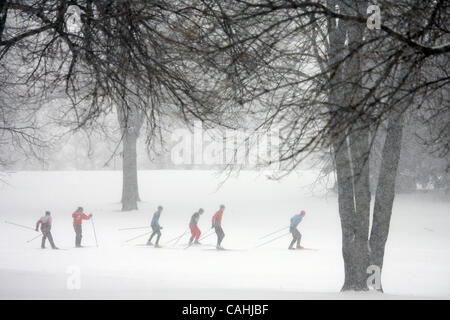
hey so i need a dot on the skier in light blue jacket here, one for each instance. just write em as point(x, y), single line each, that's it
point(156, 228)
point(296, 235)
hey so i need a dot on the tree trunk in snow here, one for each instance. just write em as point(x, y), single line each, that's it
point(350, 150)
point(385, 193)
point(130, 121)
point(130, 190)
point(360, 153)
point(337, 35)
point(346, 209)
point(359, 148)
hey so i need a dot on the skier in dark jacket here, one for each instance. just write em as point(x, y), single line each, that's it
point(155, 227)
point(46, 225)
point(193, 225)
point(217, 225)
point(296, 235)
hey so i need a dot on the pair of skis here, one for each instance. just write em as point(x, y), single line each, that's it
point(65, 249)
point(278, 237)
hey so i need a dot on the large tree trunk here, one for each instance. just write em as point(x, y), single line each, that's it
point(351, 150)
point(130, 121)
point(359, 147)
point(130, 190)
point(385, 192)
point(346, 210)
point(360, 162)
point(338, 135)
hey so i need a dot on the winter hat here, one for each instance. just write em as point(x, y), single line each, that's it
point(302, 212)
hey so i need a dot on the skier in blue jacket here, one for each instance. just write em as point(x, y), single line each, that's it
point(155, 227)
point(296, 235)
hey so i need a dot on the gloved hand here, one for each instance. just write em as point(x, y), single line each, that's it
point(161, 228)
point(37, 229)
point(91, 215)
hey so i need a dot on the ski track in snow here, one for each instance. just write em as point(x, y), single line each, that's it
point(417, 261)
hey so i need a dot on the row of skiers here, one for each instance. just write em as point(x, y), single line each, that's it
point(193, 226)
point(216, 223)
point(45, 223)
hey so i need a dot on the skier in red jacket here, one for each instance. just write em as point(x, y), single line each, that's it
point(217, 225)
point(78, 217)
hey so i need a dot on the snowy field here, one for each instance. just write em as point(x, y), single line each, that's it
point(417, 262)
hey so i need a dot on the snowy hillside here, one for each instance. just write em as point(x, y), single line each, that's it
point(417, 262)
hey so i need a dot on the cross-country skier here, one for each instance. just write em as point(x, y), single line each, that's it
point(78, 217)
point(217, 225)
point(46, 225)
point(296, 235)
point(193, 225)
point(156, 228)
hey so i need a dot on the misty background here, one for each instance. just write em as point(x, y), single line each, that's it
point(359, 91)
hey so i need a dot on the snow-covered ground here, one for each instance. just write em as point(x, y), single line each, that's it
point(417, 261)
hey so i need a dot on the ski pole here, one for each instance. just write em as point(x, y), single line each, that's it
point(210, 233)
point(179, 238)
point(176, 238)
point(22, 226)
point(207, 234)
point(267, 242)
point(272, 233)
point(122, 229)
point(138, 236)
point(95, 235)
point(34, 238)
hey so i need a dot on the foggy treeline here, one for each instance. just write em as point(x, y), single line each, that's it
point(418, 168)
point(84, 82)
